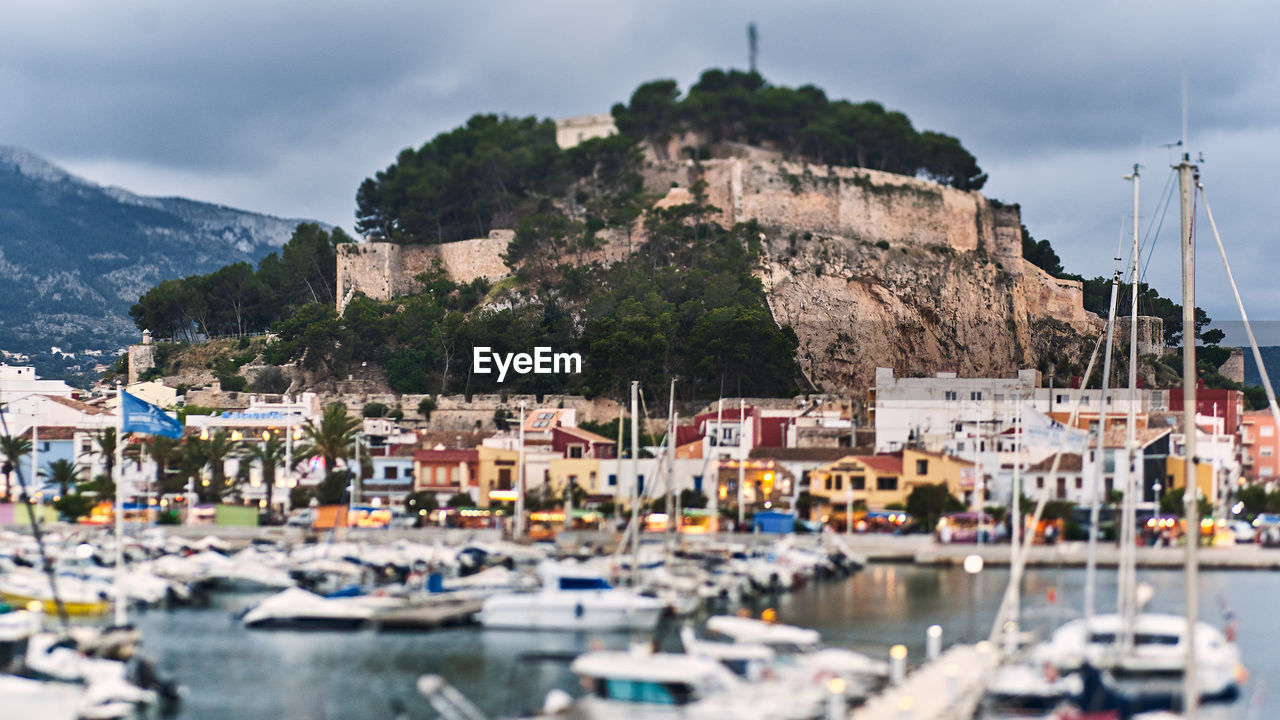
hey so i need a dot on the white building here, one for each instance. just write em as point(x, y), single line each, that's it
point(17, 381)
point(576, 130)
point(930, 411)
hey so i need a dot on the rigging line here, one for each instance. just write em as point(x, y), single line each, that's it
point(1161, 214)
point(1244, 317)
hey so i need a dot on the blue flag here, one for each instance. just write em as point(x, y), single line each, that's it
point(142, 417)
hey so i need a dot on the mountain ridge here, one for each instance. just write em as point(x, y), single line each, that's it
point(74, 255)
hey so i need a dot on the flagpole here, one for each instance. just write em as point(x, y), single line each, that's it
point(121, 616)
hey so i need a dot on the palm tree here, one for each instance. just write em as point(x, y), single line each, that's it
point(191, 460)
point(163, 451)
point(13, 449)
point(65, 474)
point(268, 455)
point(217, 449)
point(331, 439)
point(106, 449)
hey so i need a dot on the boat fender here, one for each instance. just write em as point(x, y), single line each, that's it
point(578, 610)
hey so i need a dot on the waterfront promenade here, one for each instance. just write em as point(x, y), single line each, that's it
point(918, 549)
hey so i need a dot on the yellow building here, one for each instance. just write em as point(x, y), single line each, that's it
point(585, 472)
point(877, 481)
point(1176, 477)
point(497, 476)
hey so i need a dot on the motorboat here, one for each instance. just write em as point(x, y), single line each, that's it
point(1159, 651)
point(802, 648)
point(296, 608)
point(23, 586)
point(572, 598)
point(666, 685)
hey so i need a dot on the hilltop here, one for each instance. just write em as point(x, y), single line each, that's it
point(724, 237)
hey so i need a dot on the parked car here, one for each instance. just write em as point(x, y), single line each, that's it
point(303, 518)
point(1244, 532)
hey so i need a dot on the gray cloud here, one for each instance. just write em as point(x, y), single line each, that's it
point(286, 107)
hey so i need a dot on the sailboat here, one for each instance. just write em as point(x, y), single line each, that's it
point(1152, 646)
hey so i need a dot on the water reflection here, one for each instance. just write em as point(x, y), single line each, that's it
point(255, 675)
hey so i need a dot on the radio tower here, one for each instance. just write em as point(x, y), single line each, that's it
point(751, 44)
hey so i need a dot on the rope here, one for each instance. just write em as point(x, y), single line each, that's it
point(1248, 328)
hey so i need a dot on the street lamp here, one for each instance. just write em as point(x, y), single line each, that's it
point(1157, 487)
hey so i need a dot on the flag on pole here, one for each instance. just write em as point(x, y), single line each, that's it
point(140, 416)
point(1041, 431)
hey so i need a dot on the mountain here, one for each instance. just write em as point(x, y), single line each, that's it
point(1271, 357)
point(75, 255)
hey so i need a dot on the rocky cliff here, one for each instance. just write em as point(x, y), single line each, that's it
point(873, 269)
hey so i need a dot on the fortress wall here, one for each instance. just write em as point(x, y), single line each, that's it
point(383, 270)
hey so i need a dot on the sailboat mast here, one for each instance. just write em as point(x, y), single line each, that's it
point(1191, 484)
point(1128, 523)
point(121, 614)
point(671, 454)
point(1099, 465)
point(635, 481)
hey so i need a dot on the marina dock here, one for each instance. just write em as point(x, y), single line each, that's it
point(948, 688)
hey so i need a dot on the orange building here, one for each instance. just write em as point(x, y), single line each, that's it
point(1260, 442)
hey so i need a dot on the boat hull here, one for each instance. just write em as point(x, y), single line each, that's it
point(588, 611)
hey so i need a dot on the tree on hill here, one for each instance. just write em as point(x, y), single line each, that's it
point(742, 107)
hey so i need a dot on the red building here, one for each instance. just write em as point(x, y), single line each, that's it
point(1228, 404)
point(574, 442)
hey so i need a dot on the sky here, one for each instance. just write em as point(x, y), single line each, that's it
point(285, 107)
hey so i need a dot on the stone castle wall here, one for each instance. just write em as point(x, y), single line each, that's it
point(852, 202)
point(383, 270)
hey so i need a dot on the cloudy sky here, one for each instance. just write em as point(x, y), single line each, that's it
point(284, 107)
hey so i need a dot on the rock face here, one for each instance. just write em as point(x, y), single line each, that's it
point(873, 269)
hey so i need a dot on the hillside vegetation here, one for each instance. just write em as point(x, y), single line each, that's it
point(686, 303)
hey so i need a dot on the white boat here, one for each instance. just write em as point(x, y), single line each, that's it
point(572, 598)
point(802, 648)
point(1159, 650)
point(625, 686)
point(297, 608)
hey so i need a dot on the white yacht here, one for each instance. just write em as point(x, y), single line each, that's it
point(625, 686)
point(572, 598)
point(1159, 650)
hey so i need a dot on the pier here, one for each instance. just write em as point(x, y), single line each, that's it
point(947, 688)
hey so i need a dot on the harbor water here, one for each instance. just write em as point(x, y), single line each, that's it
point(232, 672)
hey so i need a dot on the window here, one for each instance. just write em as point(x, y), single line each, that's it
point(828, 484)
point(697, 483)
point(1061, 399)
point(959, 447)
point(613, 480)
point(575, 451)
point(922, 467)
point(1266, 471)
point(390, 472)
point(1266, 431)
point(44, 447)
point(949, 395)
point(1040, 483)
point(839, 482)
point(1062, 488)
point(1079, 483)
point(504, 479)
point(975, 395)
point(886, 483)
point(857, 482)
point(1267, 451)
point(640, 485)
